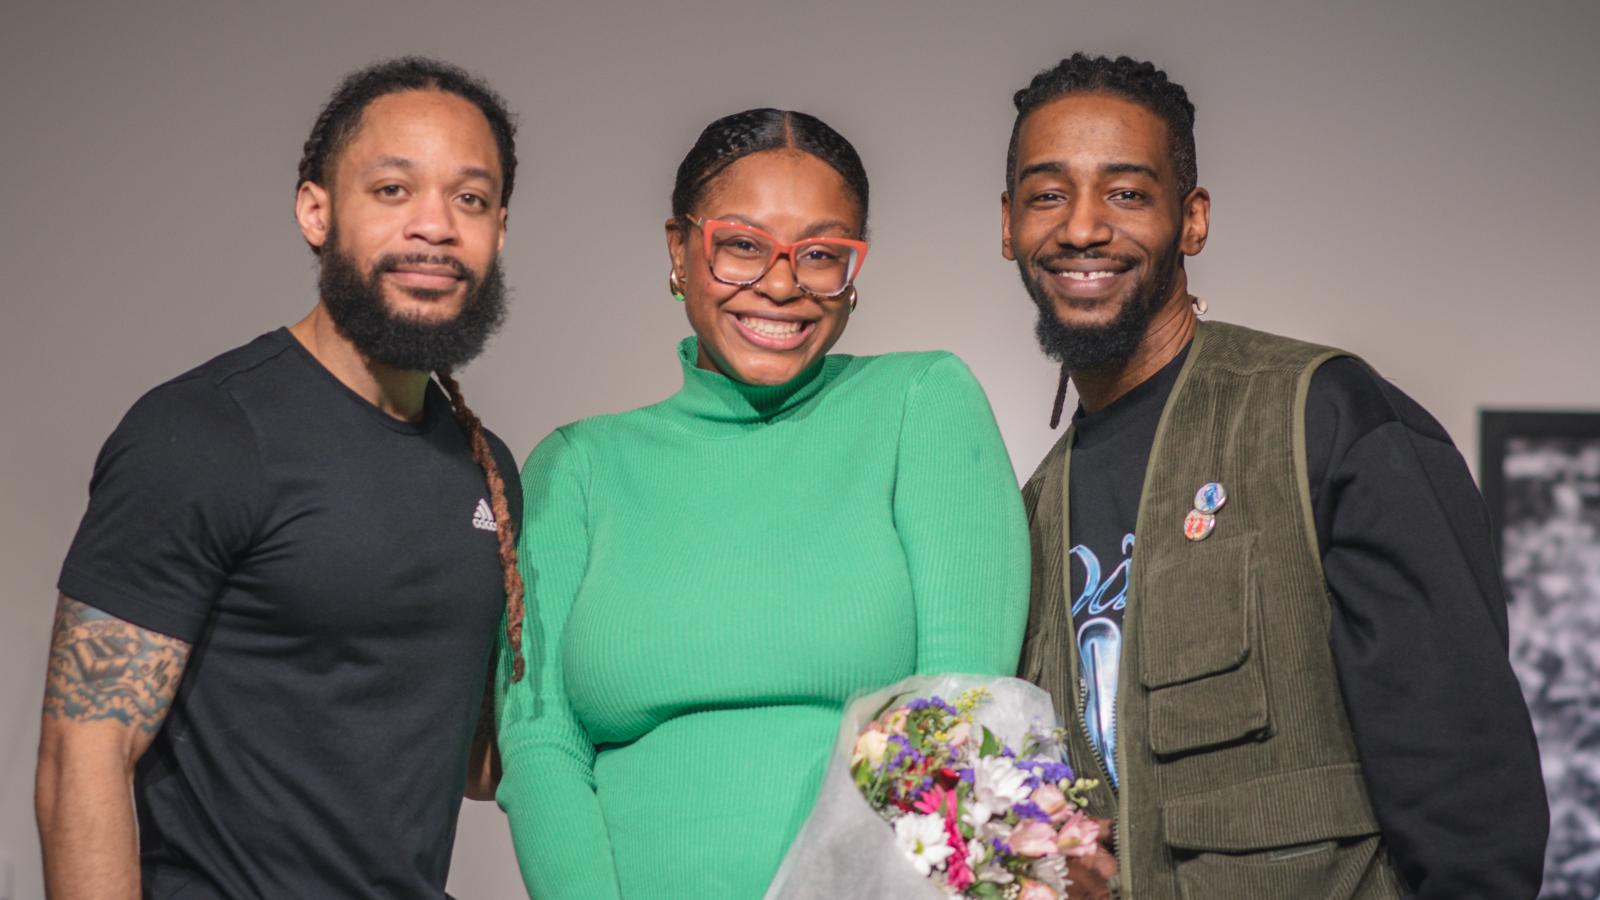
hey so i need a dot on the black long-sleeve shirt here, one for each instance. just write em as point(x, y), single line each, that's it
point(1418, 620)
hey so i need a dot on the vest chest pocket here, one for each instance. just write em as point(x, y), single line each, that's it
point(1200, 657)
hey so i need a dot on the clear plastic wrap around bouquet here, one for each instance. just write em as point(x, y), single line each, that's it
point(949, 786)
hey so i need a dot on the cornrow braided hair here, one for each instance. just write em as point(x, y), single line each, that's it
point(484, 456)
point(732, 138)
point(336, 124)
point(1140, 82)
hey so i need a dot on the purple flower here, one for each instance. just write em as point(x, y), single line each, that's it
point(965, 774)
point(1047, 770)
point(904, 754)
point(1057, 771)
point(1027, 809)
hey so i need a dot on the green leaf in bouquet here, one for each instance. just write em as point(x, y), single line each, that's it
point(986, 890)
point(991, 744)
point(919, 740)
point(888, 705)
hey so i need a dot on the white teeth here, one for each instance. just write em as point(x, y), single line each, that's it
point(771, 328)
point(1085, 276)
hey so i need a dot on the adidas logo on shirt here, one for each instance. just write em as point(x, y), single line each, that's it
point(483, 517)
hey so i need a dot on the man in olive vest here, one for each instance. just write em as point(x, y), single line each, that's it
point(1264, 591)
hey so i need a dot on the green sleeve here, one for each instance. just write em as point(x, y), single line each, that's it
point(959, 515)
point(547, 789)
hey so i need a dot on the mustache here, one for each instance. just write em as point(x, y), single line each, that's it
point(391, 262)
point(1065, 255)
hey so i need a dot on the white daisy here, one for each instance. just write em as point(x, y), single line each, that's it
point(996, 786)
point(923, 839)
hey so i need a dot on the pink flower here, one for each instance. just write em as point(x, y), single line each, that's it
point(1080, 836)
point(1036, 890)
point(934, 800)
point(1033, 838)
point(870, 747)
point(1049, 798)
point(894, 722)
point(958, 872)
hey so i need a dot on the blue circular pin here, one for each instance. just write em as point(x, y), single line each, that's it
point(1210, 498)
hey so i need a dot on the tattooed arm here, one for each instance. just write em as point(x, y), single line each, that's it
point(107, 691)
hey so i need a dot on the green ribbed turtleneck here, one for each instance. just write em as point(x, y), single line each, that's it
point(710, 578)
point(715, 405)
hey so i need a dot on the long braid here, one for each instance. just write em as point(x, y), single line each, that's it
point(484, 456)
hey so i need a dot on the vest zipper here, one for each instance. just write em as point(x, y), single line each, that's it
point(1124, 874)
point(1104, 771)
point(1082, 696)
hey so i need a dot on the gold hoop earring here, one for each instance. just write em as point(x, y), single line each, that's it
point(674, 286)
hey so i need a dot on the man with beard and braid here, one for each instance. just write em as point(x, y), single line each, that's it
point(1265, 596)
point(277, 619)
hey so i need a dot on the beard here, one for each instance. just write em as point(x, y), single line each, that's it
point(1109, 346)
point(355, 303)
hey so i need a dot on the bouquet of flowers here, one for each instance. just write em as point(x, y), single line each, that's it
point(966, 795)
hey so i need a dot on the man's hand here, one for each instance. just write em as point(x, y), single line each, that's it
point(1091, 875)
point(107, 690)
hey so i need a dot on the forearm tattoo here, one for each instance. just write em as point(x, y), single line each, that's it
point(104, 668)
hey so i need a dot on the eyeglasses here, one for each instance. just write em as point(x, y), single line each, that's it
point(741, 255)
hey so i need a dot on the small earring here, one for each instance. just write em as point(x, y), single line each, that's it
point(674, 285)
point(854, 298)
point(1199, 305)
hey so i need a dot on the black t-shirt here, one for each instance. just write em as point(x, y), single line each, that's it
point(336, 572)
point(1109, 455)
point(1418, 620)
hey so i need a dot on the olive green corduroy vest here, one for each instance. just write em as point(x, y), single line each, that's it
point(1239, 774)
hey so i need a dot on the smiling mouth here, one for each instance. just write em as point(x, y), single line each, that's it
point(1079, 280)
point(773, 334)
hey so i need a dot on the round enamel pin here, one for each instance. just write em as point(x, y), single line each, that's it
point(1210, 498)
point(1197, 526)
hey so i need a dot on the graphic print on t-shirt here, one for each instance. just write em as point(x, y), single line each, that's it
point(483, 516)
point(1097, 612)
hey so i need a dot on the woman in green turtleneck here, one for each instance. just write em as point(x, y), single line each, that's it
point(709, 579)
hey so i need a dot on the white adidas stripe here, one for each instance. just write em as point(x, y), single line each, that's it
point(483, 517)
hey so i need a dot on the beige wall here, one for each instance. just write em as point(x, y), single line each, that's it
point(1414, 181)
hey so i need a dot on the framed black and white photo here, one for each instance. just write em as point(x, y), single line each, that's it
point(1540, 473)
